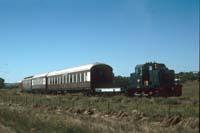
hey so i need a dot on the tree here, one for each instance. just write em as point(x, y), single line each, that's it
point(122, 82)
point(185, 76)
point(2, 83)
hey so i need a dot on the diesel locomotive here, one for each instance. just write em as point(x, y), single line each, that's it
point(154, 79)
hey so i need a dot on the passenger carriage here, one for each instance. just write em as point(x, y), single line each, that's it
point(90, 79)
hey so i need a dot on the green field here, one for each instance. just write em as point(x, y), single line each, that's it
point(23, 112)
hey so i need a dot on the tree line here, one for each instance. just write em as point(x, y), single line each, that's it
point(188, 76)
point(2, 84)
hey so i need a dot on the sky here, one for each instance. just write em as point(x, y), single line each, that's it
point(38, 36)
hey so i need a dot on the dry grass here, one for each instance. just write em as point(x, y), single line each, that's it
point(77, 113)
point(191, 89)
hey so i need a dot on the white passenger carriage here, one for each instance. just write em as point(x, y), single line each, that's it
point(90, 78)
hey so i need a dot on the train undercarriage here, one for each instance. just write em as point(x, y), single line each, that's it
point(163, 91)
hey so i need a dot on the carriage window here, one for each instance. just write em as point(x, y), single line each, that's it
point(75, 78)
point(72, 78)
point(60, 80)
point(63, 79)
point(52, 80)
point(88, 76)
point(82, 77)
point(79, 77)
point(66, 79)
point(85, 76)
point(101, 73)
point(55, 80)
point(69, 78)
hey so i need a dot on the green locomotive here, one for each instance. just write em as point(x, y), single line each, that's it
point(154, 79)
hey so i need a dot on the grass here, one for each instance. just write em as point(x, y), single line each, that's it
point(24, 121)
point(77, 113)
point(191, 89)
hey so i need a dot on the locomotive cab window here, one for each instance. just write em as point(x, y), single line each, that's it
point(137, 70)
point(150, 68)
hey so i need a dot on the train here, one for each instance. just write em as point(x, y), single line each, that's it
point(154, 79)
point(149, 79)
point(90, 79)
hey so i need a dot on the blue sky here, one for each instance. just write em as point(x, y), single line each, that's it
point(38, 36)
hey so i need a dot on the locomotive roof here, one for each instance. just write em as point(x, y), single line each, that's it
point(139, 65)
point(74, 69)
point(159, 65)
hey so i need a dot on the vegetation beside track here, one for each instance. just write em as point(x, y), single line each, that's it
point(25, 112)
